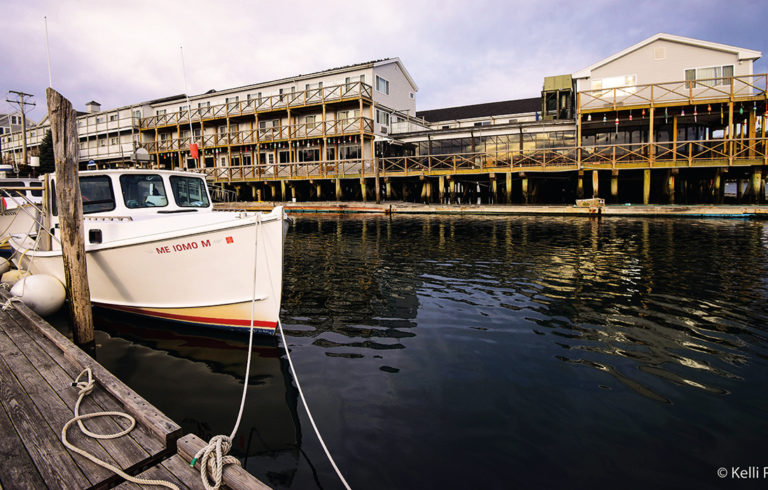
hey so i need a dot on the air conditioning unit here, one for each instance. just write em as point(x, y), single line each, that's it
point(384, 130)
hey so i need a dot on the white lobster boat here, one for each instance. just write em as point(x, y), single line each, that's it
point(19, 199)
point(155, 247)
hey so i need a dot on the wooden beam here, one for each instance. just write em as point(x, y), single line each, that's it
point(70, 207)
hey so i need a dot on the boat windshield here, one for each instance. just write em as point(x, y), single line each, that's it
point(97, 194)
point(190, 192)
point(143, 191)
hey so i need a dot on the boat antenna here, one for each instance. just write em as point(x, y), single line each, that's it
point(189, 104)
point(48, 53)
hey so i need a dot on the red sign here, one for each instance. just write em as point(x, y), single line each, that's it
point(193, 150)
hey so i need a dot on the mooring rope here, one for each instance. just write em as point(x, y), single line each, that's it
point(301, 392)
point(214, 456)
point(86, 387)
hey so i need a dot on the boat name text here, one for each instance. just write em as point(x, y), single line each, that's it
point(183, 247)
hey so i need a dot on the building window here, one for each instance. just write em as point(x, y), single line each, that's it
point(482, 123)
point(113, 117)
point(112, 141)
point(232, 100)
point(137, 114)
point(311, 122)
point(348, 82)
point(14, 120)
point(382, 85)
point(382, 117)
point(708, 76)
point(99, 120)
point(362, 78)
point(159, 112)
point(628, 83)
point(411, 94)
point(201, 105)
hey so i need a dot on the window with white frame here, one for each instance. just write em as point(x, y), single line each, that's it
point(382, 117)
point(233, 100)
point(159, 112)
point(709, 76)
point(382, 85)
point(113, 117)
point(113, 141)
point(311, 121)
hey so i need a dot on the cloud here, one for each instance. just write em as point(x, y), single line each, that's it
point(458, 52)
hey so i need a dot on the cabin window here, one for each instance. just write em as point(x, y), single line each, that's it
point(189, 192)
point(97, 194)
point(143, 191)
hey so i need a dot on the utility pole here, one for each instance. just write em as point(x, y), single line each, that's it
point(21, 104)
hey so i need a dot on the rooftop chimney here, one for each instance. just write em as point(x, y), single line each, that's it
point(93, 107)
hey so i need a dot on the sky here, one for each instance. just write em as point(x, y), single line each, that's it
point(457, 52)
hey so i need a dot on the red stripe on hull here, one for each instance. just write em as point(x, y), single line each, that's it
point(231, 322)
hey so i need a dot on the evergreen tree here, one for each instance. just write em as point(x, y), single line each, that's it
point(47, 162)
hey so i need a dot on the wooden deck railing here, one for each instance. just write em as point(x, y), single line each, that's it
point(698, 153)
point(302, 98)
point(743, 87)
point(270, 134)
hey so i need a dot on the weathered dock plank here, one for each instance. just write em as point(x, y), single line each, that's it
point(17, 466)
point(163, 427)
point(56, 466)
point(37, 368)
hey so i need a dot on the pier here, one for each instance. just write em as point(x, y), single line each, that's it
point(37, 368)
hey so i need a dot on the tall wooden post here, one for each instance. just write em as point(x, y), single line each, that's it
point(441, 188)
point(646, 186)
point(615, 186)
point(595, 184)
point(671, 186)
point(524, 188)
point(338, 190)
point(509, 188)
point(70, 206)
point(580, 184)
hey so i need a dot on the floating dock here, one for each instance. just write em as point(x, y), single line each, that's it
point(37, 368)
point(697, 210)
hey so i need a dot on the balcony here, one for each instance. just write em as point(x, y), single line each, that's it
point(344, 127)
point(688, 92)
point(304, 98)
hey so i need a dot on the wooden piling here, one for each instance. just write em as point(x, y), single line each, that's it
point(646, 186)
point(70, 207)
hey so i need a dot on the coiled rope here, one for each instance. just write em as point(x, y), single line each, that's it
point(213, 457)
point(86, 387)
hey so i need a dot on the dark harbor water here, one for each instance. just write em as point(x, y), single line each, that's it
point(510, 352)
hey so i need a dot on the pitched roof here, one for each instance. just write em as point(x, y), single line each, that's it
point(742, 53)
point(505, 107)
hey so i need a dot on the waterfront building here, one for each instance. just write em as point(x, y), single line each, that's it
point(638, 116)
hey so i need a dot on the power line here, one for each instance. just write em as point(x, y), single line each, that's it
point(21, 104)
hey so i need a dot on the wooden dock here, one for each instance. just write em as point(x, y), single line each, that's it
point(409, 208)
point(37, 368)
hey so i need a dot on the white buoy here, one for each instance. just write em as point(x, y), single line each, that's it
point(12, 276)
point(44, 294)
point(5, 265)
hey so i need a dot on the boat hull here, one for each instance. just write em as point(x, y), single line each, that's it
point(207, 275)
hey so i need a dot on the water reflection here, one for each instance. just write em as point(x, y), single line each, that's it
point(195, 377)
point(493, 352)
point(659, 295)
